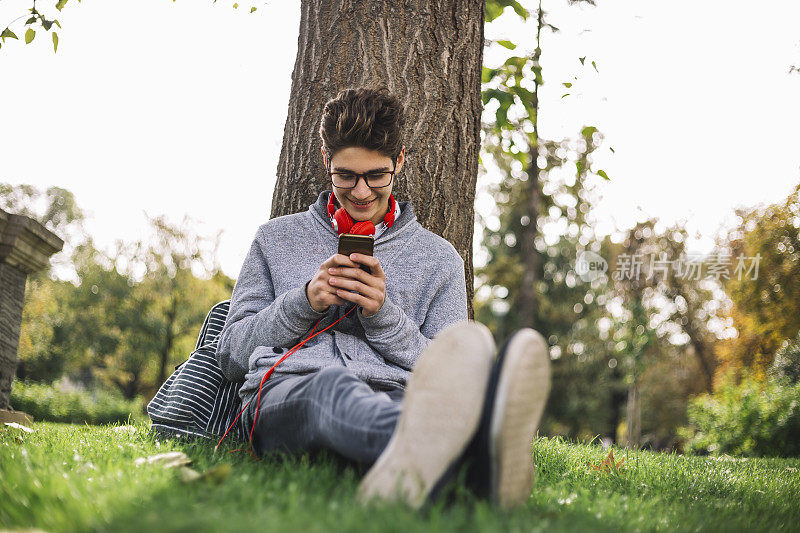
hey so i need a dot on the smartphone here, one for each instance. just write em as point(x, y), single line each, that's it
point(359, 244)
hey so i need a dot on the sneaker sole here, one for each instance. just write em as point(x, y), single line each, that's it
point(440, 413)
point(522, 391)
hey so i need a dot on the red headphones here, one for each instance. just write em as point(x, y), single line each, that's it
point(343, 223)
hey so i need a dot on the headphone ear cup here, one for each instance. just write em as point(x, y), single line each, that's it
point(343, 221)
point(365, 227)
point(389, 218)
point(331, 205)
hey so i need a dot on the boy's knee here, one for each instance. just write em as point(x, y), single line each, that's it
point(328, 385)
point(332, 376)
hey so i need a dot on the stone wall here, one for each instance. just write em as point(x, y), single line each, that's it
point(25, 247)
point(12, 296)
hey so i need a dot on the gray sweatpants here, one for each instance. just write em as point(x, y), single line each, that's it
point(330, 408)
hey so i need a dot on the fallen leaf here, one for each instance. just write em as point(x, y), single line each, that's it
point(19, 426)
point(187, 475)
point(609, 465)
point(215, 475)
point(166, 460)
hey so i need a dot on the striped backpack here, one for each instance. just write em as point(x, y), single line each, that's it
point(197, 400)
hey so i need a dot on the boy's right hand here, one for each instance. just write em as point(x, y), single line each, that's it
point(319, 292)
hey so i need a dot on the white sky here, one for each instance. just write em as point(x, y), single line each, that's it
point(179, 108)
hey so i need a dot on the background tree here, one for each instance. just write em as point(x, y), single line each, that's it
point(146, 303)
point(543, 200)
point(512, 137)
point(610, 338)
point(57, 210)
point(753, 409)
point(177, 263)
point(765, 311)
point(666, 319)
point(45, 315)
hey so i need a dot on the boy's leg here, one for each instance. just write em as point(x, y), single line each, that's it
point(441, 410)
point(331, 409)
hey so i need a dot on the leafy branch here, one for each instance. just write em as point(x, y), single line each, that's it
point(36, 18)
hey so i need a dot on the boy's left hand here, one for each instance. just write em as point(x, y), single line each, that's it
point(360, 287)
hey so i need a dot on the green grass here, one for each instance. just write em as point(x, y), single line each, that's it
point(66, 478)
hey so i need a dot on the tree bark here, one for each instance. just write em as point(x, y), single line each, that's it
point(172, 314)
point(699, 348)
point(528, 305)
point(633, 424)
point(430, 56)
point(618, 397)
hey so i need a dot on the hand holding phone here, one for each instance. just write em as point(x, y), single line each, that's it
point(320, 292)
point(360, 244)
point(338, 282)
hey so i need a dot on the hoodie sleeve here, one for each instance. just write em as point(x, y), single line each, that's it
point(392, 333)
point(258, 318)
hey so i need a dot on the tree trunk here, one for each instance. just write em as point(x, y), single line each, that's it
point(168, 341)
point(618, 396)
point(430, 56)
point(528, 307)
point(699, 349)
point(633, 422)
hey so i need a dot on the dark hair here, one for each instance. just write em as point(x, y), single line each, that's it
point(367, 118)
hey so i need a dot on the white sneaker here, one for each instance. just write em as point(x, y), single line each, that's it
point(501, 464)
point(440, 413)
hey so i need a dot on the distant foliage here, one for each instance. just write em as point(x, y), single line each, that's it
point(766, 310)
point(50, 403)
point(754, 418)
point(129, 315)
point(786, 365)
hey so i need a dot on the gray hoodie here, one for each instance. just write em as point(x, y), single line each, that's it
point(270, 313)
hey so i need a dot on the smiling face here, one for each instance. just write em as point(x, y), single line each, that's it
point(361, 202)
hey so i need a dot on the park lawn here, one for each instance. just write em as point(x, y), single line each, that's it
point(70, 477)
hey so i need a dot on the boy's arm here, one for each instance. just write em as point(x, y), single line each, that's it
point(257, 318)
point(392, 333)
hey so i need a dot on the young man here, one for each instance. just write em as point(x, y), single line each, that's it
point(350, 388)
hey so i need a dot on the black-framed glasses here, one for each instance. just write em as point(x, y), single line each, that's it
point(374, 180)
point(349, 180)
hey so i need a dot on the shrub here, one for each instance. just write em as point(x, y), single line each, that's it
point(49, 402)
point(749, 418)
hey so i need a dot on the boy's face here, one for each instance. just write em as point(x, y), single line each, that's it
point(362, 160)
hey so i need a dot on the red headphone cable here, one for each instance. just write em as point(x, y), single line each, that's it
point(266, 377)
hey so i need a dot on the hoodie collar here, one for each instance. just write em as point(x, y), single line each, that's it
point(406, 220)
